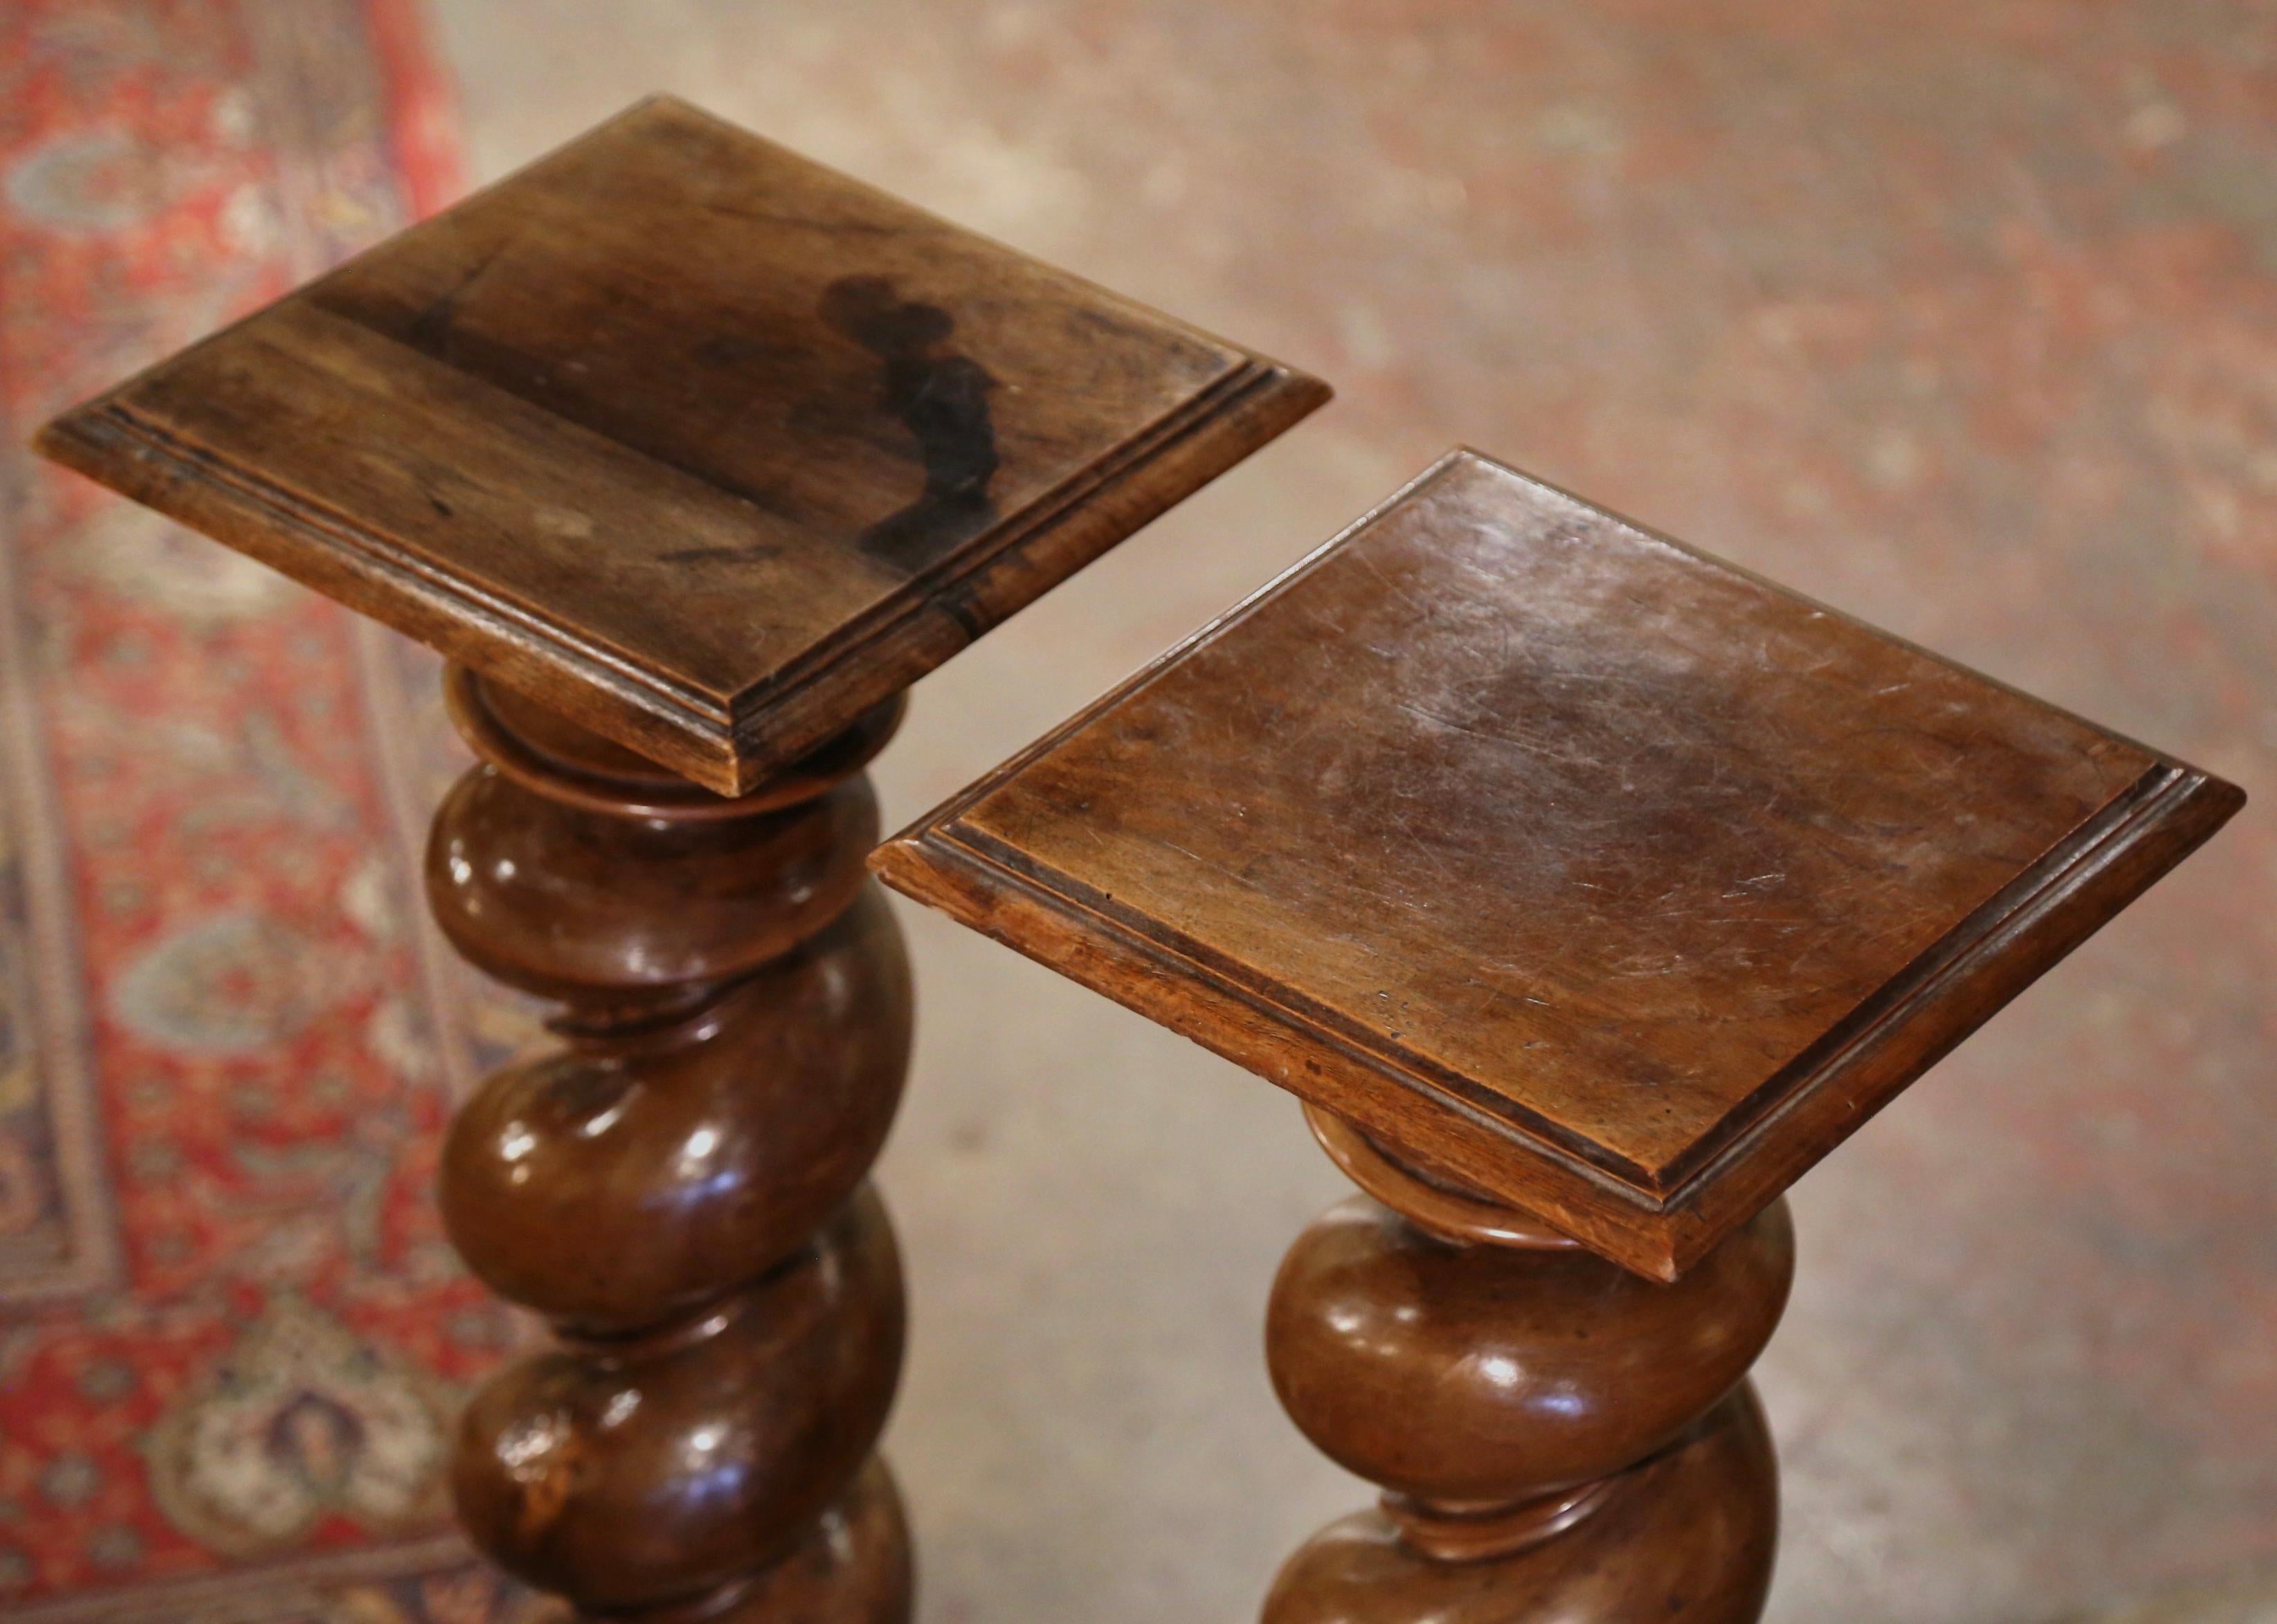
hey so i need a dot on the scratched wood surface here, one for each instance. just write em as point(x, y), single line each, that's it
point(1589, 869)
point(709, 446)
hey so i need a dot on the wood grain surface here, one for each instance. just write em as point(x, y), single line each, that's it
point(706, 446)
point(1584, 869)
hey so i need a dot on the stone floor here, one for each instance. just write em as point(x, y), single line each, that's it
point(2247, 1596)
point(1959, 313)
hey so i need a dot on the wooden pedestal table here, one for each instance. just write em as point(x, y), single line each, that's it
point(1588, 891)
point(692, 456)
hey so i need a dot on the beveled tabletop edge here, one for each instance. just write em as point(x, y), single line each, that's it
point(1655, 1226)
point(926, 620)
point(728, 748)
point(942, 610)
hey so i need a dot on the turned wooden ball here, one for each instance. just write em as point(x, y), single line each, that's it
point(608, 1188)
point(564, 901)
point(1485, 1374)
point(1687, 1538)
point(854, 1566)
point(681, 1460)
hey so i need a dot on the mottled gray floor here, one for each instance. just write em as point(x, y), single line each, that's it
point(1712, 263)
point(2245, 1598)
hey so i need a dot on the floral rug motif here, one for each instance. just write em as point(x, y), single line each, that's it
point(232, 1335)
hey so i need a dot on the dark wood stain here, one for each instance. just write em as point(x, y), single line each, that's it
point(710, 446)
point(940, 395)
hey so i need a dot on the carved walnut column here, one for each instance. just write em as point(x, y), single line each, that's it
point(682, 1190)
point(1546, 1424)
point(1588, 890)
point(692, 455)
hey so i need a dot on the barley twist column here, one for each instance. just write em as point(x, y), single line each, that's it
point(1588, 891)
point(1558, 1439)
point(694, 455)
point(681, 1189)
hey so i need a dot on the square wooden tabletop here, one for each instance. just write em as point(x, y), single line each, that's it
point(706, 444)
point(1570, 862)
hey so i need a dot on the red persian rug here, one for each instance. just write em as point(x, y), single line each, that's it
point(232, 1335)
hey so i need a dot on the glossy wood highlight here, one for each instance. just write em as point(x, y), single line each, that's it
point(681, 1188)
